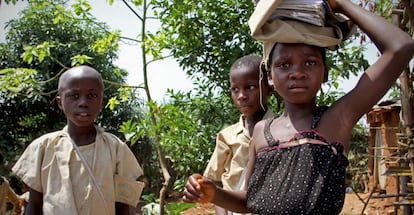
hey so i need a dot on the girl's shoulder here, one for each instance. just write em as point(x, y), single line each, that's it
point(258, 138)
point(260, 126)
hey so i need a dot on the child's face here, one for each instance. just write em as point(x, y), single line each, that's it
point(245, 91)
point(297, 71)
point(81, 100)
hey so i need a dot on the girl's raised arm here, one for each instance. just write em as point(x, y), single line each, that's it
point(396, 48)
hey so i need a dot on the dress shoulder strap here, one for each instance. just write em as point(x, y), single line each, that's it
point(268, 135)
point(317, 115)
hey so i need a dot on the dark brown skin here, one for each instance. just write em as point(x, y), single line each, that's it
point(34, 206)
point(291, 69)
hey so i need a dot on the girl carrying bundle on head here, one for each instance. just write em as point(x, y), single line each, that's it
point(297, 160)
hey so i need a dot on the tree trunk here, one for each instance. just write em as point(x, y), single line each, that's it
point(167, 180)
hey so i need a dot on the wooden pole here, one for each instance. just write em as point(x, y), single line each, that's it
point(406, 90)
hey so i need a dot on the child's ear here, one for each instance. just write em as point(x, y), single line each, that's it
point(59, 101)
point(270, 83)
point(269, 79)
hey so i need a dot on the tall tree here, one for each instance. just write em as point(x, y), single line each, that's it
point(44, 41)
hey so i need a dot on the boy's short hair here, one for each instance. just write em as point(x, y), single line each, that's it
point(253, 62)
point(86, 70)
point(250, 61)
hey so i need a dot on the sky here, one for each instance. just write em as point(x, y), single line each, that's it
point(162, 75)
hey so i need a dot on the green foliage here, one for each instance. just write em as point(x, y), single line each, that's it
point(187, 126)
point(175, 208)
point(46, 39)
point(151, 209)
point(348, 59)
point(40, 51)
point(149, 198)
point(172, 208)
point(206, 37)
point(9, 1)
point(357, 156)
point(382, 7)
point(15, 81)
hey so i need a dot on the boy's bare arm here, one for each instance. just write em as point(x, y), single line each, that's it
point(122, 209)
point(35, 205)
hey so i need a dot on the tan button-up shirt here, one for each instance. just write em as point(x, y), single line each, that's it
point(51, 166)
point(229, 160)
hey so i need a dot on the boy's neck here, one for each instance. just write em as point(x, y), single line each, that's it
point(82, 135)
point(254, 118)
point(251, 120)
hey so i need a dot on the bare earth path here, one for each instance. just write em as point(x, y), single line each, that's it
point(352, 206)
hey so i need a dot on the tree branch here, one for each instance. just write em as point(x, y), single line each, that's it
point(133, 11)
point(157, 59)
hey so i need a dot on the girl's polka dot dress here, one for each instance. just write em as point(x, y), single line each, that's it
point(301, 179)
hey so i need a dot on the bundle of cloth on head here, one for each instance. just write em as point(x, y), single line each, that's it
point(310, 22)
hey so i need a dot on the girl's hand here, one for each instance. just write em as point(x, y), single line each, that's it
point(333, 5)
point(199, 189)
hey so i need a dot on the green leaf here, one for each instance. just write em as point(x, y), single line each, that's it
point(177, 207)
point(112, 103)
point(80, 60)
point(137, 2)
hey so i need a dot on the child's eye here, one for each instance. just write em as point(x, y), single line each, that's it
point(93, 95)
point(74, 96)
point(235, 89)
point(252, 87)
point(283, 65)
point(310, 63)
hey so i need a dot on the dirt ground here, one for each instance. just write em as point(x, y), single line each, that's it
point(353, 206)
